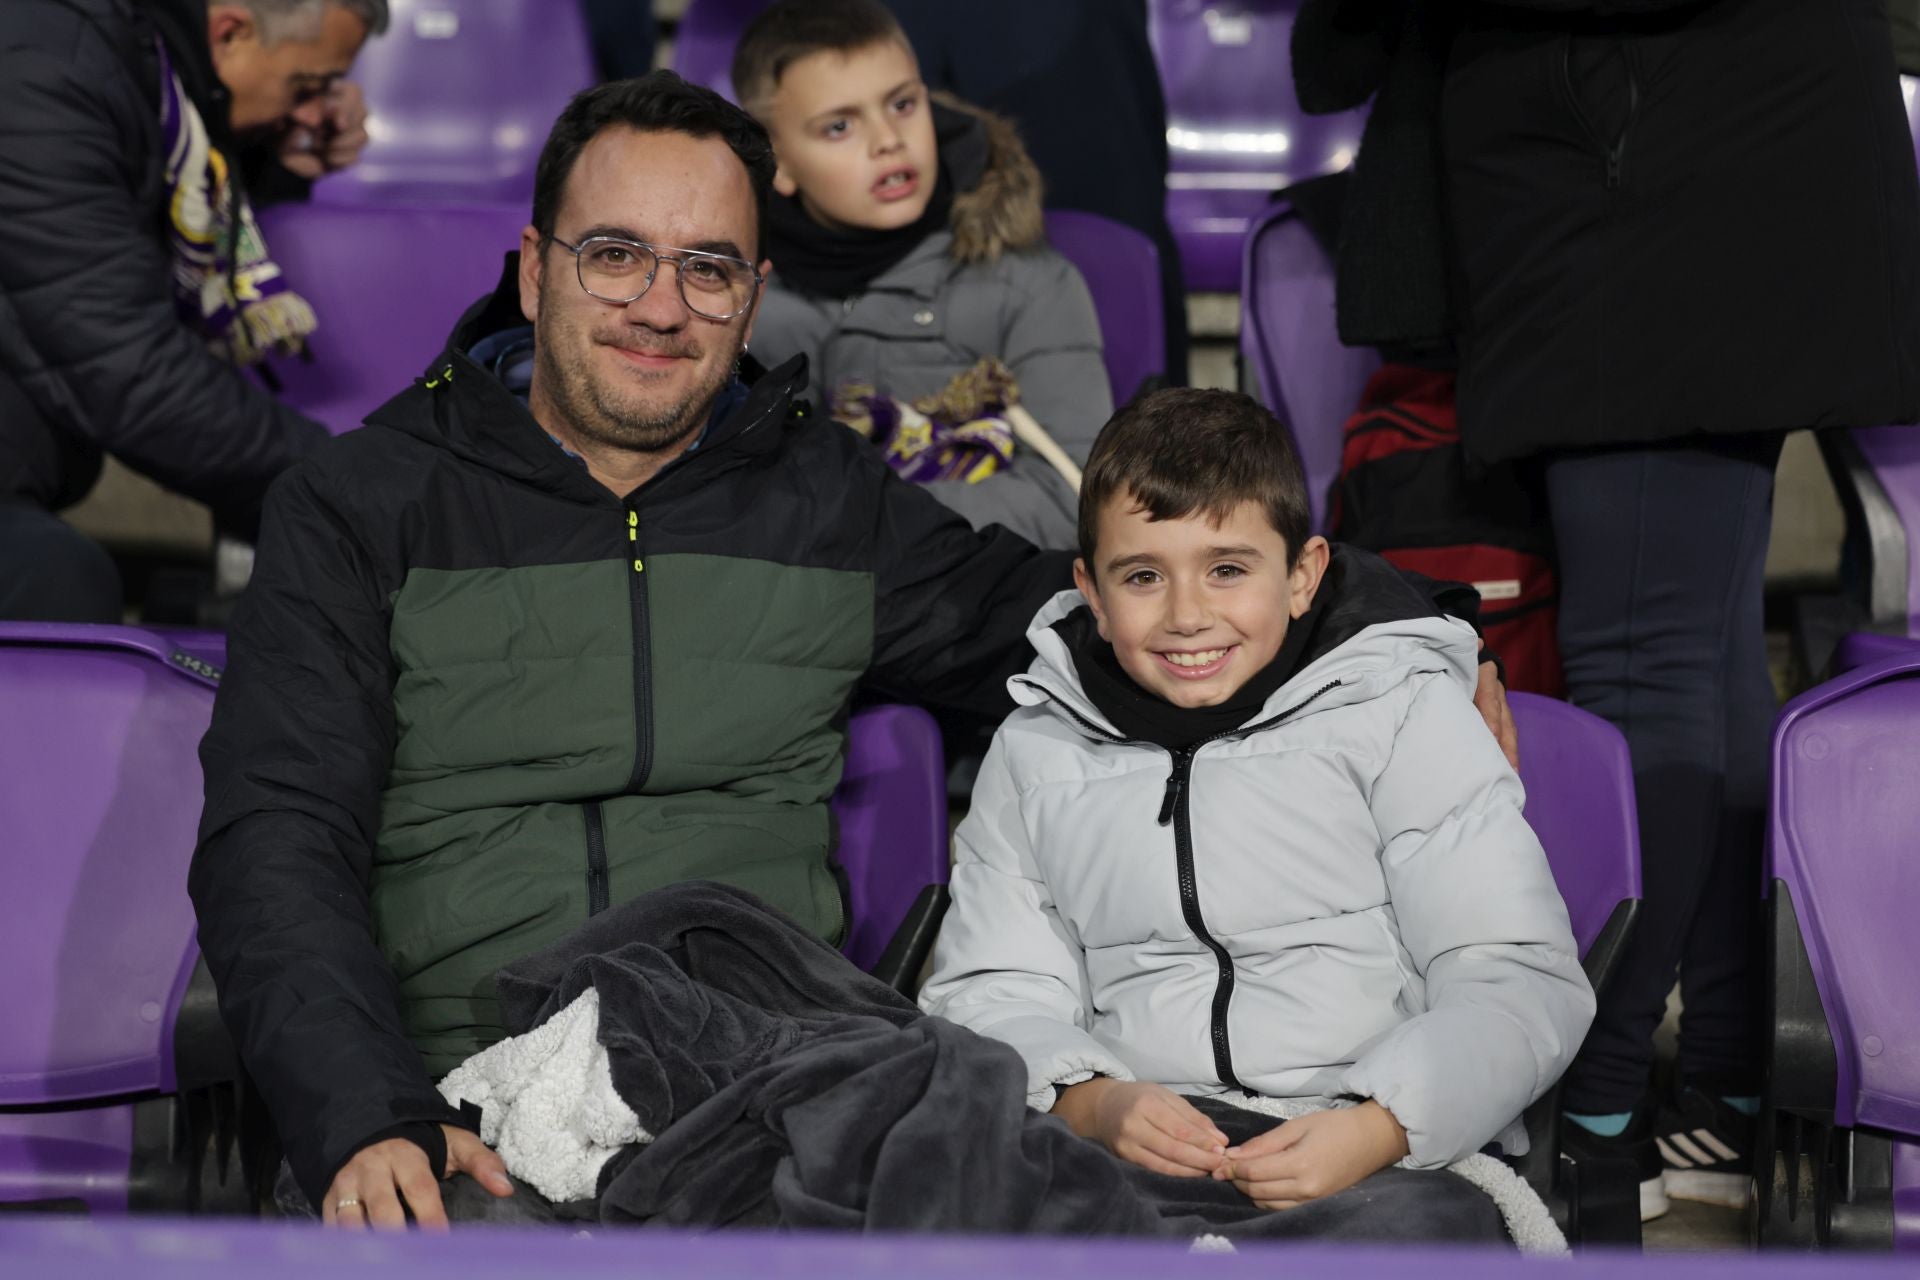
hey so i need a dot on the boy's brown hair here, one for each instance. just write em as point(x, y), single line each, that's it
point(796, 29)
point(1186, 449)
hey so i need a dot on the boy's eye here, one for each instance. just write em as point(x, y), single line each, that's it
point(904, 106)
point(1142, 578)
point(835, 129)
point(1228, 571)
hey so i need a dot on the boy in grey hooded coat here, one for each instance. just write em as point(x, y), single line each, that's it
point(1309, 881)
point(908, 244)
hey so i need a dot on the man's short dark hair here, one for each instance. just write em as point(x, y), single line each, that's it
point(1184, 450)
point(659, 102)
point(796, 29)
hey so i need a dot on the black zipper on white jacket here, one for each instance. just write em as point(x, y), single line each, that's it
point(1175, 810)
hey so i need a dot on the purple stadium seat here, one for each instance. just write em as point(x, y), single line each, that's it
point(1291, 346)
point(703, 44)
point(1235, 131)
point(461, 94)
point(1862, 647)
point(891, 809)
point(115, 1074)
point(387, 283)
point(1579, 782)
point(1839, 1148)
point(1122, 270)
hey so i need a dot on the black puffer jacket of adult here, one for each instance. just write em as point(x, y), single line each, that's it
point(1658, 220)
point(93, 356)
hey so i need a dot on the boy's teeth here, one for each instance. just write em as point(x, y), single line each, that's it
point(1196, 659)
point(893, 179)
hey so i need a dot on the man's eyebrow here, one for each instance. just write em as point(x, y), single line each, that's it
point(850, 109)
point(610, 230)
point(724, 248)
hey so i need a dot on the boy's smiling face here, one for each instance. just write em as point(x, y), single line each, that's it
point(853, 133)
point(1195, 608)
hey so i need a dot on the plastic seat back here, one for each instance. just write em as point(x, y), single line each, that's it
point(100, 796)
point(1845, 811)
point(388, 285)
point(891, 812)
point(1235, 130)
point(461, 95)
point(1290, 342)
point(704, 43)
point(1580, 802)
point(1122, 270)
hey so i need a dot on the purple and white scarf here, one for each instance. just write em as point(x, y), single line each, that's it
point(224, 285)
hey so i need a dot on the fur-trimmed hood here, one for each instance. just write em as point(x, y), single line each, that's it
point(1003, 210)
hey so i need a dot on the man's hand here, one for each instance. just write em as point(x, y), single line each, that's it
point(337, 143)
point(1147, 1124)
point(381, 1182)
point(1490, 698)
point(1315, 1156)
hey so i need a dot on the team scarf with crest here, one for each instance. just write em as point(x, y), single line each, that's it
point(225, 286)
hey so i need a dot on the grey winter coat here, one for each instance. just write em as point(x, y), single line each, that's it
point(1384, 920)
point(990, 286)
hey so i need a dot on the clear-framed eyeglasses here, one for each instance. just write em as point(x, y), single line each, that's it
point(620, 271)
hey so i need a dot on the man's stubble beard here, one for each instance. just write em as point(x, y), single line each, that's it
point(587, 413)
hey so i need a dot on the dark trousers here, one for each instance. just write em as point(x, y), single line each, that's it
point(1662, 564)
point(51, 572)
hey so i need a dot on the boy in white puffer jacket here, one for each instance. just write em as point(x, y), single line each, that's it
point(1247, 834)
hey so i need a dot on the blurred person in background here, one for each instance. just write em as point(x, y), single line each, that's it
point(1661, 236)
point(135, 287)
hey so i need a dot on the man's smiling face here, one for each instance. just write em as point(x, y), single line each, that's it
point(641, 376)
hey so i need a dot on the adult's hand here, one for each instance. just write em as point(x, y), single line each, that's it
point(382, 1181)
point(1490, 699)
point(1146, 1124)
point(337, 143)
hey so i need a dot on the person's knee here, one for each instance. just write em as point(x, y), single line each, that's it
point(53, 572)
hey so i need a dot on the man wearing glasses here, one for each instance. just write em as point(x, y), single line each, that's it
point(577, 615)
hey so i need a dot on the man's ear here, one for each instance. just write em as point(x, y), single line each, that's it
point(1308, 570)
point(533, 265)
point(228, 25)
point(1084, 581)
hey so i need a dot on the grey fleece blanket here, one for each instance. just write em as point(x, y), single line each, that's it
point(787, 1088)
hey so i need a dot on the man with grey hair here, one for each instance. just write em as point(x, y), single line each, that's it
point(136, 136)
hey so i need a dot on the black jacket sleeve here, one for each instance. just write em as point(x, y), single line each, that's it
point(953, 604)
point(299, 750)
point(85, 277)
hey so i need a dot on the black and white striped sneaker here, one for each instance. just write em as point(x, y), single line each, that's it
point(1707, 1148)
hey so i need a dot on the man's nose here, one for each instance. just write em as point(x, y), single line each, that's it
point(662, 306)
point(311, 114)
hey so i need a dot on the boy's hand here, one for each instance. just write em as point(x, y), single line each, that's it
point(383, 1181)
point(1315, 1156)
point(1146, 1124)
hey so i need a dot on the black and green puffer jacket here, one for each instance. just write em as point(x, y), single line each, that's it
point(474, 697)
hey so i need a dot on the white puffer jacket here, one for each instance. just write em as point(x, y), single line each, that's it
point(1345, 900)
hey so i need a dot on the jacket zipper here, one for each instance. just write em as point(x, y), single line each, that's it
point(598, 892)
point(1175, 810)
point(642, 659)
point(1614, 152)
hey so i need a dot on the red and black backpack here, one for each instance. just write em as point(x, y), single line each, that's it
point(1406, 493)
